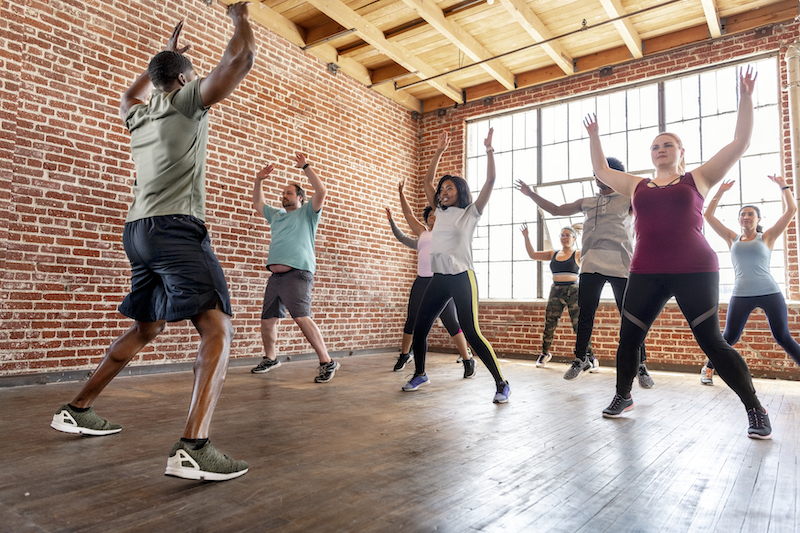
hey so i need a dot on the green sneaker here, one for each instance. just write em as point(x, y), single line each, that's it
point(205, 464)
point(88, 422)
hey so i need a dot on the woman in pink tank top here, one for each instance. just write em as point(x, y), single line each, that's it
point(673, 258)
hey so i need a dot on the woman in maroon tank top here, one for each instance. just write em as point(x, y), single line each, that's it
point(673, 258)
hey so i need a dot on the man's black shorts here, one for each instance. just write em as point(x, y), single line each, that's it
point(174, 273)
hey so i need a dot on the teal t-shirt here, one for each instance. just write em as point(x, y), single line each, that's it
point(169, 135)
point(293, 236)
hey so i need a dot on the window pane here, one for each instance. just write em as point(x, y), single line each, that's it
point(500, 280)
point(499, 243)
point(553, 158)
point(524, 280)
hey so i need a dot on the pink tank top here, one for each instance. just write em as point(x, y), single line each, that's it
point(669, 230)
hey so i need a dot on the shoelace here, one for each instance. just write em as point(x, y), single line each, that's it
point(756, 418)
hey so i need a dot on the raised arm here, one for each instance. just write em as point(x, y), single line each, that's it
point(622, 182)
point(712, 171)
point(430, 191)
point(719, 228)
point(488, 187)
point(398, 233)
point(532, 253)
point(141, 88)
point(258, 189)
point(771, 235)
point(416, 226)
point(237, 60)
point(320, 191)
point(561, 210)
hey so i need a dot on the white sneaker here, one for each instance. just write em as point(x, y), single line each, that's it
point(595, 366)
point(544, 358)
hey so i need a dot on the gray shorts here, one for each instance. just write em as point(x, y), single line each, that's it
point(290, 290)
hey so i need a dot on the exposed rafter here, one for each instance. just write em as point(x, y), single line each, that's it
point(712, 17)
point(457, 35)
point(536, 28)
point(624, 27)
point(348, 18)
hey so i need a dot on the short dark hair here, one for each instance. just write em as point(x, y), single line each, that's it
point(464, 196)
point(615, 163)
point(426, 213)
point(300, 192)
point(166, 66)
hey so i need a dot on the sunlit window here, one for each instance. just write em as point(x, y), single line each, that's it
point(547, 148)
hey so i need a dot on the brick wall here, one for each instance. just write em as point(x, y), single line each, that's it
point(515, 328)
point(66, 174)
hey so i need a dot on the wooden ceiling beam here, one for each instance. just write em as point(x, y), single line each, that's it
point(526, 18)
point(461, 38)
point(624, 27)
point(712, 18)
point(338, 11)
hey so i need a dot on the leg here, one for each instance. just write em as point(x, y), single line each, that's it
point(553, 311)
point(618, 286)
point(118, 356)
point(573, 309)
point(774, 307)
point(431, 305)
point(312, 333)
point(450, 321)
point(272, 310)
point(589, 290)
point(269, 336)
point(414, 300)
point(210, 368)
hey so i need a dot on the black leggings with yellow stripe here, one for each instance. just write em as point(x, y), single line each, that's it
point(463, 289)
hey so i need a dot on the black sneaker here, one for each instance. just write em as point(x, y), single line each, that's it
point(618, 406)
point(326, 372)
point(760, 428)
point(402, 361)
point(579, 366)
point(469, 368)
point(265, 366)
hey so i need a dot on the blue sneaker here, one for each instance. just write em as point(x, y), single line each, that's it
point(503, 392)
point(415, 383)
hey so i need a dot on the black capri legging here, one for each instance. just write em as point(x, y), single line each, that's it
point(697, 295)
point(462, 289)
point(448, 316)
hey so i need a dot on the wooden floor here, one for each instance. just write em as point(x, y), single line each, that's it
point(357, 454)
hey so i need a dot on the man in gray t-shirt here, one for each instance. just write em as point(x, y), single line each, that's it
point(607, 248)
point(175, 274)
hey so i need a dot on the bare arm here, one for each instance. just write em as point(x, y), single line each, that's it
point(712, 171)
point(258, 190)
point(141, 88)
point(416, 226)
point(237, 60)
point(622, 182)
point(716, 224)
point(320, 191)
point(561, 210)
point(441, 145)
point(532, 253)
point(488, 186)
point(771, 235)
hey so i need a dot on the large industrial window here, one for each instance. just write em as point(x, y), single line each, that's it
point(547, 148)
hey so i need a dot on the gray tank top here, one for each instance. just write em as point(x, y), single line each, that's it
point(751, 264)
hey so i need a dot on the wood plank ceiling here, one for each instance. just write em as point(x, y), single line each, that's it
point(430, 54)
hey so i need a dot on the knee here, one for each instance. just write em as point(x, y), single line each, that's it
point(147, 331)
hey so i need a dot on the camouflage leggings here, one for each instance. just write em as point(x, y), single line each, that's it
point(561, 296)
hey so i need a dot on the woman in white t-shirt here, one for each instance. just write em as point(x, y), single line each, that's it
point(451, 262)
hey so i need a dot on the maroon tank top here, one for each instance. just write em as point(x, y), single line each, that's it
point(669, 230)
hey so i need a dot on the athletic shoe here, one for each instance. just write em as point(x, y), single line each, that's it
point(706, 375)
point(645, 381)
point(326, 372)
point(402, 361)
point(618, 406)
point(461, 359)
point(595, 365)
point(87, 422)
point(579, 366)
point(543, 359)
point(415, 383)
point(503, 392)
point(205, 464)
point(265, 366)
point(469, 368)
point(760, 428)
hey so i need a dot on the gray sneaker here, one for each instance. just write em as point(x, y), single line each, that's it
point(326, 372)
point(645, 381)
point(706, 375)
point(579, 366)
point(265, 366)
point(87, 422)
point(469, 368)
point(205, 464)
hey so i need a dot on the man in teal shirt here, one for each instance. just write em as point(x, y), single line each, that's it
point(292, 262)
point(174, 272)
